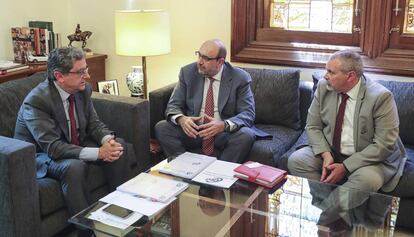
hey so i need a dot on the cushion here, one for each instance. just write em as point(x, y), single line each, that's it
point(276, 93)
point(404, 97)
point(269, 151)
point(12, 94)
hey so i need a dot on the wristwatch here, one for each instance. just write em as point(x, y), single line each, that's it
point(226, 126)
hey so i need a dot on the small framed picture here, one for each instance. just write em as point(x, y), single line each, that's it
point(108, 87)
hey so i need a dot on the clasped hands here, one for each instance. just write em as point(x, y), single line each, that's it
point(209, 126)
point(110, 151)
point(331, 172)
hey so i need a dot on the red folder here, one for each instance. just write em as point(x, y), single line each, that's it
point(261, 174)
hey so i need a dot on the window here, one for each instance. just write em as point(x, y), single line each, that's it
point(306, 32)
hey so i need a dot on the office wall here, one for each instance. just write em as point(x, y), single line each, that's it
point(192, 22)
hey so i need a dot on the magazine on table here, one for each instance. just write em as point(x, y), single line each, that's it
point(187, 165)
point(153, 187)
point(219, 173)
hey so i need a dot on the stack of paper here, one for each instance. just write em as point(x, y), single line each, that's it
point(153, 187)
point(187, 165)
point(219, 173)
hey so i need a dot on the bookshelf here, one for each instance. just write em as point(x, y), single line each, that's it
point(96, 64)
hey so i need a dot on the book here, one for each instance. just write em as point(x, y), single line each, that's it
point(187, 165)
point(264, 175)
point(153, 187)
point(220, 174)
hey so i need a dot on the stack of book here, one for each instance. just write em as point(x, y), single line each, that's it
point(9, 66)
point(37, 40)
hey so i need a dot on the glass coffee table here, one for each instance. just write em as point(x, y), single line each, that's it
point(296, 207)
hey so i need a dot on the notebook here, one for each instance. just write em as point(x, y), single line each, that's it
point(264, 175)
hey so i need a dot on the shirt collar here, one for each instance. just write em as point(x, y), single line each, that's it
point(353, 93)
point(219, 74)
point(63, 94)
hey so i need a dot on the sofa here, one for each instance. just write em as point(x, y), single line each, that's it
point(35, 207)
point(282, 102)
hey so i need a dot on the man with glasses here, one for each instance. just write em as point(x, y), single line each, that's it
point(211, 110)
point(58, 117)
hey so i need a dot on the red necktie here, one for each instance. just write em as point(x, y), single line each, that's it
point(338, 124)
point(73, 130)
point(208, 144)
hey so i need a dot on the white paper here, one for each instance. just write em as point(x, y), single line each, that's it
point(187, 165)
point(253, 165)
point(154, 187)
point(134, 203)
point(219, 174)
point(111, 220)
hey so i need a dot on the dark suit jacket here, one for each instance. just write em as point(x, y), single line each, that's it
point(42, 121)
point(376, 129)
point(235, 98)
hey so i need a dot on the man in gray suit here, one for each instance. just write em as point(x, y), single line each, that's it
point(360, 149)
point(189, 125)
point(58, 117)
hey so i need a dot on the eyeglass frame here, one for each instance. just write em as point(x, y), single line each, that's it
point(81, 72)
point(205, 57)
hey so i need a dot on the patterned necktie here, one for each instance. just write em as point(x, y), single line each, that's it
point(338, 124)
point(208, 144)
point(73, 130)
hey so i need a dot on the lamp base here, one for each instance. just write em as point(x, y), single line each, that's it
point(140, 95)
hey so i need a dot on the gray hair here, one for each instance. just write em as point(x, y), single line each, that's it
point(61, 59)
point(350, 61)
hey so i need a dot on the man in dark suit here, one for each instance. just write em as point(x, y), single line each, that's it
point(358, 147)
point(211, 108)
point(58, 117)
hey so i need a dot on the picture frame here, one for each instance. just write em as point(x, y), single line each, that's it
point(108, 87)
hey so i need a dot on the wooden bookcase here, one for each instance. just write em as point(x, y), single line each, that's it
point(96, 64)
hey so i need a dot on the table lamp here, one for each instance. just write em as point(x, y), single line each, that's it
point(142, 33)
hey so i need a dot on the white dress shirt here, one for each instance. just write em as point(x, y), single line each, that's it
point(87, 153)
point(347, 135)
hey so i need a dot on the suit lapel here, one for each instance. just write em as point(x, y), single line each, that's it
point(80, 108)
point(225, 88)
point(332, 102)
point(198, 92)
point(59, 110)
point(358, 106)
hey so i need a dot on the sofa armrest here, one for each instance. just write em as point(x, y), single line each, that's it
point(19, 199)
point(129, 118)
point(158, 103)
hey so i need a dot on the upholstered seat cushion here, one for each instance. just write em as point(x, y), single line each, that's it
point(276, 94)
point(267, 151)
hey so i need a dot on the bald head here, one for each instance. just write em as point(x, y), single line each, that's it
point(215, 47)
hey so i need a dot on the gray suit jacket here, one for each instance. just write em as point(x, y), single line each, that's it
point(235, 99)
point(376, 129)
point(42, 121)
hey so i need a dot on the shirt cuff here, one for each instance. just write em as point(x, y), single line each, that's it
point(106, 138)
point(232, 125)
point(173, 118)
point(89, 154)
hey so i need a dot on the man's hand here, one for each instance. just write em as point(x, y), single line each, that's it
point(327, 160)
point(110, 151)
point(337, 173)
point(189, 125)
point(211, 127)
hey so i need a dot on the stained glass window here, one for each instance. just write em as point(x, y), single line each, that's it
point(312, 15)
point(409, 17)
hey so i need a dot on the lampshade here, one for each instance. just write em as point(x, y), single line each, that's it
point(142, 32)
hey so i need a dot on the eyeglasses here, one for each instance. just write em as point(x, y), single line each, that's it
point(81, 72)
point(205, 57)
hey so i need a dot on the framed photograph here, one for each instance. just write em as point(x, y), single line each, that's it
point(108, 87)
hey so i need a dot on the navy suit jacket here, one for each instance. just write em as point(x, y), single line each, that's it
point(235, 98)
